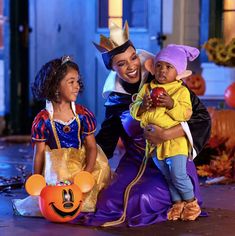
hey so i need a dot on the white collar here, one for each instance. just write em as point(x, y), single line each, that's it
point(49, 108)
point(112, 83)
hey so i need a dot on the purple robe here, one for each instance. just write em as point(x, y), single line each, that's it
point(149, 199)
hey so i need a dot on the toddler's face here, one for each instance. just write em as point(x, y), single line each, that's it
point(164, 72)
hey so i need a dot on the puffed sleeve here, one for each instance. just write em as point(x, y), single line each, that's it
point(39, 131)
point(88, 120)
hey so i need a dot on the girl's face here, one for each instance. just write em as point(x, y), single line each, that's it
point(69, 86)
point(127, 65)
point(165, 72)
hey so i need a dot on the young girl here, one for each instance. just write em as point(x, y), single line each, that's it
point(173, 106)
point(63, 133)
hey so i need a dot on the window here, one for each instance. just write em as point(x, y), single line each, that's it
point(228, 20)
point(217, 21)
point(134, 11)
point(210, 22)
point(115, 11)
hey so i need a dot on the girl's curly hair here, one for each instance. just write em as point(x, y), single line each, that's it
point(48, 78)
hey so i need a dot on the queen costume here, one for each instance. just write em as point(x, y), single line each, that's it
point(138, 195)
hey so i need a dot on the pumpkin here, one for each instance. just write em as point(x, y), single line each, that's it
point(196, 83)
point(223, 126)
point(61, 202)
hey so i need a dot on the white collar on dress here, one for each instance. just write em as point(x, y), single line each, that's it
point(49, 108)
point(112, 83)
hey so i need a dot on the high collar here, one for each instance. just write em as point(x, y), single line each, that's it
point(50, 109)
point(130, 88)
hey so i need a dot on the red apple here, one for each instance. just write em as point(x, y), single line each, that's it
point(156, 92)
point(229, 95)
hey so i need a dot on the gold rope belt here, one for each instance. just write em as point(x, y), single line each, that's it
point(128, 189)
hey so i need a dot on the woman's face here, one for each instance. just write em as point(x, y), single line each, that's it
point(127, 65)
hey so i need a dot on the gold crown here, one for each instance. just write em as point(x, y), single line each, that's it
point(118, 37)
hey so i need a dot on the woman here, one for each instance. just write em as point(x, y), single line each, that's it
point(148, 199)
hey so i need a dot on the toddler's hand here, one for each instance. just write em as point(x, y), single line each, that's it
point(164, 100)
point(145, 105)
point(147, 102)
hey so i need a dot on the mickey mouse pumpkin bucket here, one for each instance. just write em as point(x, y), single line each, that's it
point(61, 202)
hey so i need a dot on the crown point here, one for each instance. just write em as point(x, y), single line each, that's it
point(117, 37)
point(112, 25)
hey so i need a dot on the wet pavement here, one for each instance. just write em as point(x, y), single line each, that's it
point(16, 162)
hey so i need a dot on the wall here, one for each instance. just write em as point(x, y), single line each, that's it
point(185, 23)
point(64, 28)
point(2, 98)
point(186, 27)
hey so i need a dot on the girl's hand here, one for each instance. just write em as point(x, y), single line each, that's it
point(89, 169)
point(38, 157)
point(164, 100)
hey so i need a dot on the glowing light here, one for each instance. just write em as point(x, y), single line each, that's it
point(115, 11)
point(117, 21)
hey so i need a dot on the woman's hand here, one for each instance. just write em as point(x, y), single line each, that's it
point(157, 135)
point(154, 134)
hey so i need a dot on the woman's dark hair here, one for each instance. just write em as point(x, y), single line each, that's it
point(47, 80)
point(108, 56)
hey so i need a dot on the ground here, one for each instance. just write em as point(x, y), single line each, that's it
point(16, 161)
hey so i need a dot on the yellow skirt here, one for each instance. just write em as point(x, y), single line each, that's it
point(63, 164)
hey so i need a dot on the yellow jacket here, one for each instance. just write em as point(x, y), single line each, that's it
point(165, 118)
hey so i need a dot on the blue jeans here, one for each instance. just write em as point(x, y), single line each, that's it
point(175, 173)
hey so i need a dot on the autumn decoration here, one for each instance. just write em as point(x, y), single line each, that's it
point(196, 83)
point(60, 202)
point(221, 147)
point(223, 125)
point(220, 53)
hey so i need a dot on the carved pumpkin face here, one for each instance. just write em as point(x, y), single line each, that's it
point(60, 203)
point(196, 83)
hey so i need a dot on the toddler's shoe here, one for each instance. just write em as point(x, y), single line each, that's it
point(191, 211)
point(176, 210)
